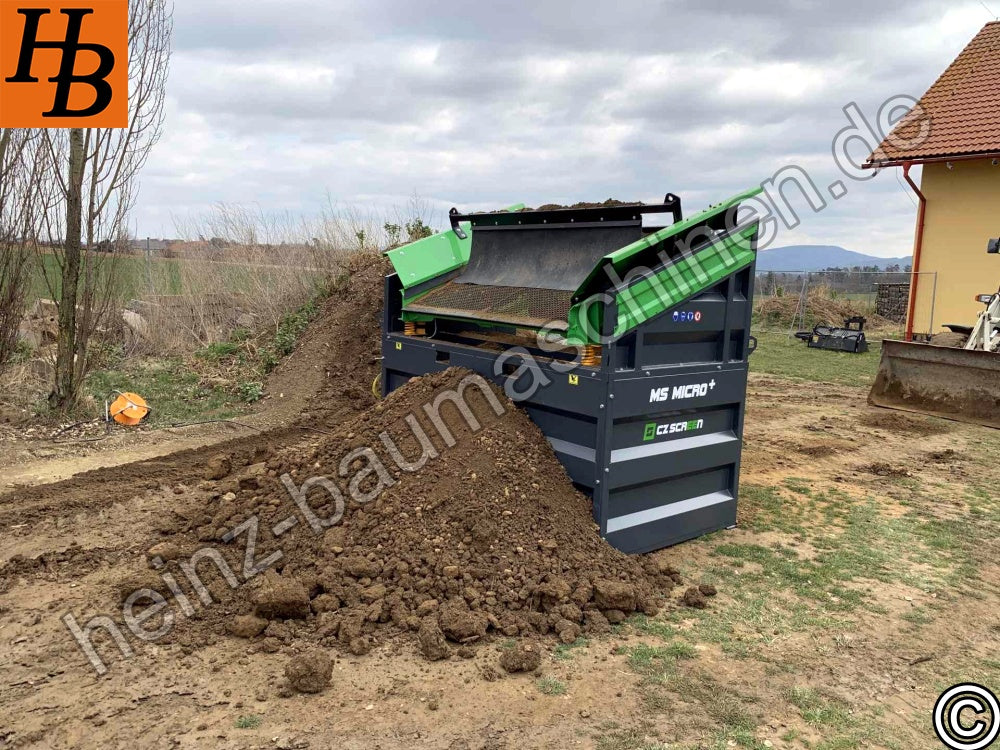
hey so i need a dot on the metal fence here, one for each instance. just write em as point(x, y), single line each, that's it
point(797, 301)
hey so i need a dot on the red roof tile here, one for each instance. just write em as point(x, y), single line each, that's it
point(959, 115)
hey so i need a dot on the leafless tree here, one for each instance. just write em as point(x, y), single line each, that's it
point(95, 187)
point(22, 173)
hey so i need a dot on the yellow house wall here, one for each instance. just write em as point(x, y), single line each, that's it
point(963, 213)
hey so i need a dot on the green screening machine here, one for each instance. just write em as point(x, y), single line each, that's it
point(639, 332)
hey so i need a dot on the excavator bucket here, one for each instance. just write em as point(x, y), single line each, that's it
point(954, 384)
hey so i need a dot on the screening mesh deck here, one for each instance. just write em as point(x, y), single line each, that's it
point(513, 305)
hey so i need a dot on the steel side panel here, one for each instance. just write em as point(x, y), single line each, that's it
point(582, 392)
point(673, 530)
point(656, 395)
point(631, 500)
point(689, 459)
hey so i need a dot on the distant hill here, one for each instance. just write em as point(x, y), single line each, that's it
point(820, 257)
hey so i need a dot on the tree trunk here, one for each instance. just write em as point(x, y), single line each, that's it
point(67, 387)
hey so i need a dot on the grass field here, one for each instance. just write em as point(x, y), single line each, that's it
point(781, 354)
point(137, 277)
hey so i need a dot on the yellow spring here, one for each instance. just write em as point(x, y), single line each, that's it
point(411, 328)
point(591, 356)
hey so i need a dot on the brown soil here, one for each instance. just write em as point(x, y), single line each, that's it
point(882, 469)
point(817, 450)
point(894, 421)
point(489, 537)
point(188, 695)
point(609, 203)
point(948, 455)
point(329, 375)
point(310, 672)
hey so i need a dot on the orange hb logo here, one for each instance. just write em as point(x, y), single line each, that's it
point(63, 63)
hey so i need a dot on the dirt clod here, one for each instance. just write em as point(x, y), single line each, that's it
point(567, 631)
point(882, 469)
point(694, 598)
point(460, 624)
point(948, 455)
point(614, 595)
point(281, 598)
point(310, 672)
point(524, 657)
point(432, 641)
point(246, 626)
point(164, 551)
point(217, 468)
point(596, 623)
point(708, 589)
point(615, 616)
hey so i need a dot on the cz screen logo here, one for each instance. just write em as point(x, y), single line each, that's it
point(652, 430)
point(63, 63)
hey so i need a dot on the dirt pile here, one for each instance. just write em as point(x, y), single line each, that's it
point(487, 536)
point(334, 363)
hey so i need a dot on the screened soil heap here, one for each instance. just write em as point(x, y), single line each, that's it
point(487, 537)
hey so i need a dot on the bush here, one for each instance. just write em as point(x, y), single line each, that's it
point(251, 392)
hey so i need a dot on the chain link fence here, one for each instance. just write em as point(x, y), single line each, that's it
point(798, 301)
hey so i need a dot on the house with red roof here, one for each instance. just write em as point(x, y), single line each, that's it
point(953, 134)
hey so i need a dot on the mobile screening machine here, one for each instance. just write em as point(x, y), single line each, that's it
point(626, 344)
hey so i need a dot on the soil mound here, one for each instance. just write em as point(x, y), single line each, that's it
point(329, 375)
point(458, 522)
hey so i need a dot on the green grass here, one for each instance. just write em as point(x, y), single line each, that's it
point(135, 277)
point(176, 389)
point(175, 393)
point(654, 662)
point(551, 686)
point(841, 529)
point(733, 714)
point(816, 572)
point(651, 626)
point(564, 651)
point(840, 727)
point(250, 721)
point(631, 738)
point(780, 354)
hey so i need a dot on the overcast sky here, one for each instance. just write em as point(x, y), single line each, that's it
point(480, 105)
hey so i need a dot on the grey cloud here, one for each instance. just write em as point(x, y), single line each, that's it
point(483, 104)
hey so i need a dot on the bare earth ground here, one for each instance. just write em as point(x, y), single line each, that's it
point(861, 583)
